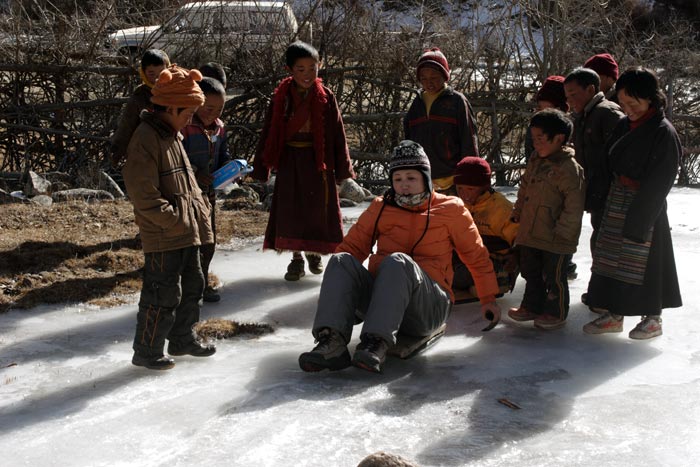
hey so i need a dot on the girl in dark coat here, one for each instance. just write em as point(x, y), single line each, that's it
point(634, 271)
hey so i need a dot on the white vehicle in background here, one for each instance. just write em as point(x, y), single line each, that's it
point(212, 30)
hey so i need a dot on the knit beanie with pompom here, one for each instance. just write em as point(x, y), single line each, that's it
point(177, 87)
point(435, 59)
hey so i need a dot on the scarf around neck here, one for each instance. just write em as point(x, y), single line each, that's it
point(290, 111)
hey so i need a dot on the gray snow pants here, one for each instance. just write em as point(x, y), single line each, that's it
point(401, 298)
point(169, 306)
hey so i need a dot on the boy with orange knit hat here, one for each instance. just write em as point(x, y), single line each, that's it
point(173, 219)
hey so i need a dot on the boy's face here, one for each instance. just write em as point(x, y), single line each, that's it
point(470, 193)
point(606, 82)
point(431, 80)
point(578, 96)
point(179, 120)
point(543, 144)
point(211, 110)
point(304, 72)
point(152, 72)
point(408, 182)
point(632, 107)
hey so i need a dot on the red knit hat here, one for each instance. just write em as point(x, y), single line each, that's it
point(435, 59)
point(553, 91)
point(603, 64)
point(473, 171)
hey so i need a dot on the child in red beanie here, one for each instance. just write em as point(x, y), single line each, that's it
point(491, 213)
point(173, 219)
point(441, 120)
point(550, 96)
point(606, 67)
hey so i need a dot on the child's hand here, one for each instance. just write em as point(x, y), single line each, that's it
point(492, 313)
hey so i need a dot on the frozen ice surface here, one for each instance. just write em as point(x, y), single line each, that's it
point(70, 397)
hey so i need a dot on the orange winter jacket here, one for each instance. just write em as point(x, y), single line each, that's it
point(429, 236)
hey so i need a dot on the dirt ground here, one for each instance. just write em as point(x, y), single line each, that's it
point(85, 252)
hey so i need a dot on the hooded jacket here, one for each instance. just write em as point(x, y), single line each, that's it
point(168, 205)
point(429, 234)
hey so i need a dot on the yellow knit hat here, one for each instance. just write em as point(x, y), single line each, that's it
point(177, 87)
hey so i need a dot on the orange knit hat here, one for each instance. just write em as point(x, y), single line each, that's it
point(177, 87)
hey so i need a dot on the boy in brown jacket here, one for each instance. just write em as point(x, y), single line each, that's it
point(549, 209)
point(173, 219)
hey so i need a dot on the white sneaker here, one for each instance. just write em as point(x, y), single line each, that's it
point(606, 323)
point(648, 327)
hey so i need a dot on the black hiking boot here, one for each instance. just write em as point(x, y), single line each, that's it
point(331, 353)
point(295, 270)
point(192, 348)
point(153, 363)
point(370, 353)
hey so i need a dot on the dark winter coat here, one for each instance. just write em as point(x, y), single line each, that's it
point(129, 119)
point(592, 129)
point(169, 207)
point(550, 203)
point(648, 155)
point(448, 134)
point(305, 213)
point(207, 150)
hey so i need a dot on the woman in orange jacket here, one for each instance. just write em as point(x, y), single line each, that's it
point(406, 287)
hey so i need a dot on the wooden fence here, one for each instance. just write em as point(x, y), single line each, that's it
point(60, 118)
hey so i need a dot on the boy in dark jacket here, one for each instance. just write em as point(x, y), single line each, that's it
point(596, 118)
point(152, 63)
point(441, 120)
point(549, 209)
point(205, 143)
point(173, 220)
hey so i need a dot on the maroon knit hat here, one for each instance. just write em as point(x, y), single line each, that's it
point(473, 171)
point(603, 64)
point(433, 58)
point(553, 91)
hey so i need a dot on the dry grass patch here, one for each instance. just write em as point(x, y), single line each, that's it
point(213, 329)
point(79, 252)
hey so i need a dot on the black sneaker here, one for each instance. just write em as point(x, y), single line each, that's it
point(153, 363)
point(211, 295)
point(571, 273)
point(295, 270)
point(331, 353)
point(193, 348)
point(370, 353)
